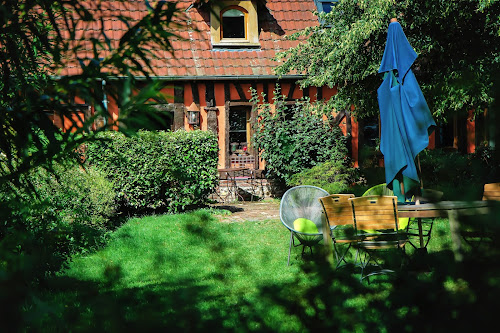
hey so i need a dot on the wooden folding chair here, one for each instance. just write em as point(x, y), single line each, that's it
point(491, 192)
point(376, 229)
point(338, 213)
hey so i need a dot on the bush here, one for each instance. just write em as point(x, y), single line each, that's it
point(294, 138)
point(459, 176)
point(78, 195)
point(158, 170)
point(48, 215)
point(332, 176)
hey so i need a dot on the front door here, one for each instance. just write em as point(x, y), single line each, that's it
point(239, 149)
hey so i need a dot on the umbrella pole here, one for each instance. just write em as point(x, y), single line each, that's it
point(420, 172)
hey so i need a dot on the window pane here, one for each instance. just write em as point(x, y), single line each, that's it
point(327, 6)
point(237, 125)
point(233, 24)
point(371, 131)
point(233, 13)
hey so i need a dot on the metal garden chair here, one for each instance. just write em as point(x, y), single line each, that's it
point(302, 202)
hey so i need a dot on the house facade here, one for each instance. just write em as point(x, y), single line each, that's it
point(228, 47)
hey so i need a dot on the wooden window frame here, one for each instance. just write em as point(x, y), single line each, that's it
point(245, 23)
point(250, 124)
point(249, 8)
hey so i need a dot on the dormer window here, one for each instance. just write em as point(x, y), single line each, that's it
point(234, 24)
point(325, 6)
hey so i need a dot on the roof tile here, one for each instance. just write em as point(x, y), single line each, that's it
point(193, 50)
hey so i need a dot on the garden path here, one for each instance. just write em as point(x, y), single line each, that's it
point(249, 211)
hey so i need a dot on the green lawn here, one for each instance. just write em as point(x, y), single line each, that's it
point(190, 272)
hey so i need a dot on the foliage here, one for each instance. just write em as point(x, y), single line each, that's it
point(78, 195)
point(39, 38)
point(292, 138)
point(459, 176)
point(57, 214)
point(457, 42)
point(37, 41)
point(332, 176)
point(158, 170)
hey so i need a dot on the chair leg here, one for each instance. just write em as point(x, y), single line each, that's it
point(290, 248)
point(340, 258)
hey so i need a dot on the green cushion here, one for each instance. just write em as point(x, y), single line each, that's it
point(306, 226)
point(403, 222)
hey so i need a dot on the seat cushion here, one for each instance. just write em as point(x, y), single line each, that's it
point(305, 225)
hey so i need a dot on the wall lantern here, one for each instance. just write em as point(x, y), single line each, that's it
point(193, 117)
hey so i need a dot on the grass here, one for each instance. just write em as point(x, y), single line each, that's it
point(189, 272)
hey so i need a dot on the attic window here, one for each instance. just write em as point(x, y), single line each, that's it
point(234, 24)
point(325, 6)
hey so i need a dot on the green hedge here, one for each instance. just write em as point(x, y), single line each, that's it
point(459, 176)
point(158, 170)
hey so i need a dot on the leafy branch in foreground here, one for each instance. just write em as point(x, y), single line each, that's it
point(55, 55)
point(41, 39)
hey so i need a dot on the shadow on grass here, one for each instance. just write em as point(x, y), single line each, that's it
point(447, 296)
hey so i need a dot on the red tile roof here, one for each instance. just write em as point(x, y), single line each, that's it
point(194, 55)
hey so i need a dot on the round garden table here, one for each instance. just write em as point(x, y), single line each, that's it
point(450, 209)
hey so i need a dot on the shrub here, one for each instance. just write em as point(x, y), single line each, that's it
point(48, 215)
point(78, 195)
point(158, 170)
point(332, 176)
point(297, 137)
point(459, 176)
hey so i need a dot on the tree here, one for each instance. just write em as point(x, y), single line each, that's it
point(38, 38)
point(458, 44)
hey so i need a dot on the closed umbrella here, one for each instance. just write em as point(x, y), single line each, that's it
point(406, 121)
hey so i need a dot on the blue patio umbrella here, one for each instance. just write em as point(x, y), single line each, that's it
point(406, 121)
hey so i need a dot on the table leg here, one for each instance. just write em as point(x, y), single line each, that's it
point(420, 232)
point(455, 234)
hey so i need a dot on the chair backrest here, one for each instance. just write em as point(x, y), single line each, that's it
point(337, 209)
point(375, 213)
point(380, 189)
point(491, 192)
point(302, 201)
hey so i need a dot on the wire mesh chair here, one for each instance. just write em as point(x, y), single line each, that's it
point(302, 202)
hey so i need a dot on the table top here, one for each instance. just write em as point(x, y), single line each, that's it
point(442, 208)
point(443, 205)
